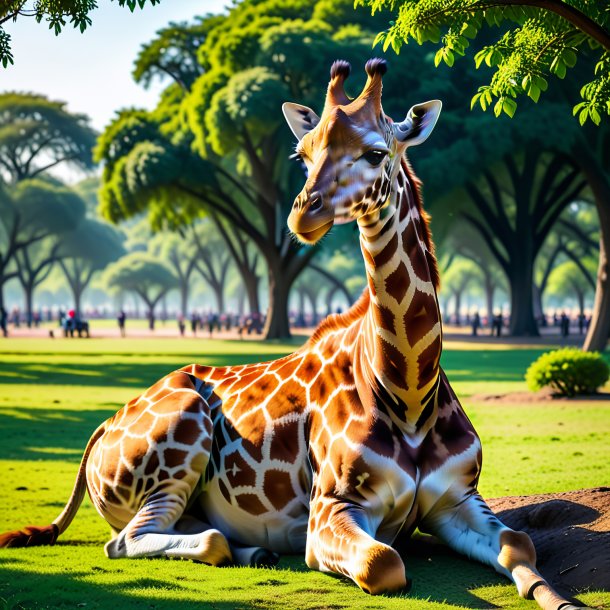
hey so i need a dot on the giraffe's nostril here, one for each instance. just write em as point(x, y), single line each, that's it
point(315, 204)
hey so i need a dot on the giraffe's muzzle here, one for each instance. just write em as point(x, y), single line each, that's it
point(311, 217)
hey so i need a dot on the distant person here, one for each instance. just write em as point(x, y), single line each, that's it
point(498, 324)
point(121, 317)
point(565, 325)
point(194, 323)
point(151, 319)
point(476, 323)
point(181, 325)
point(70, 323)
point(212, 323)
point(3, 320)
point(582, 323)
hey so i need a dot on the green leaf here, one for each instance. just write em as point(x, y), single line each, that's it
point(509, 106)
point(449, 57)
point(534, 93)
point(595, 116)
point(498, 108)
point(582, 117)
point(479, 58)
point(569, 57)
point(438, 57)
point(379, 38)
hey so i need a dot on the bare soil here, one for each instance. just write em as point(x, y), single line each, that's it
point(545, 395)
point(571, 533)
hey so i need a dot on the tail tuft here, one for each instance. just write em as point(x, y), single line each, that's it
point(30, 536)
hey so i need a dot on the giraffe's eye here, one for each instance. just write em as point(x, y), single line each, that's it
point(374, 156)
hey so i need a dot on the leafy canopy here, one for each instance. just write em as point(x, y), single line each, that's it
point(57, 13)
point(36, 134)
point(532, 44)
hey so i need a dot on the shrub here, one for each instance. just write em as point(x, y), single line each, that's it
point(568, 371)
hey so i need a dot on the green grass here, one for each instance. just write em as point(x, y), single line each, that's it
point(54, 393)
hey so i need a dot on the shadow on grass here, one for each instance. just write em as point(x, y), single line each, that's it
point(38, 434)
point(22, 589)
point(440, 576)
point(90, 372)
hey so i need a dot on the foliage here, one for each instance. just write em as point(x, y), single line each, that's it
point(569, 279)
point(37, 134)
point(533, 45)
point(569, 371)
point(143, 274)
point(57, 13)
point(179, 161)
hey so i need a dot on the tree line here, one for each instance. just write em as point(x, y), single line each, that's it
point(215, 147)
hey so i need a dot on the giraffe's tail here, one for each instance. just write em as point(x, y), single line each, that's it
point(47, 535)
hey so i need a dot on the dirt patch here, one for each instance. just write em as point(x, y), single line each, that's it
point(571, 532)
point(545, 395)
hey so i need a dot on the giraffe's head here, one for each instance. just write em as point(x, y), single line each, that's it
point(352, 152)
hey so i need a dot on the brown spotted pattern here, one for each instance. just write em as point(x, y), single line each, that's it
point(336, 449)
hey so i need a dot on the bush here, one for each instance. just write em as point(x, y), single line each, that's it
point(568, 371)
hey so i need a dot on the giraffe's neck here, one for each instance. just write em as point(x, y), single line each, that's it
point(402, 327)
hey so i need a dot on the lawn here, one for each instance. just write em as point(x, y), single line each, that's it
point(54, 393)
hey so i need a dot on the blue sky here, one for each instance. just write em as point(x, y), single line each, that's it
point(92, 71)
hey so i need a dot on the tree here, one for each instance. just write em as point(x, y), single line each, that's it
point(456, 279)
point(538, 38)
point(190, 148)
point(534, 44)
point(569, 280)
point(181, 255)
point(467, 243)
point(37, 134)
point(574, 237)
point(540, 190)
point(54, 12)
point(213, 260)
point(85, 250)
point(34, 215)
point(143, 274)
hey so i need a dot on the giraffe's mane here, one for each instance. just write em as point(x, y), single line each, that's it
point(425, 221)
point(336, 321)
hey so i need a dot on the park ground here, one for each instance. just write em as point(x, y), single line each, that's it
point(54, 393)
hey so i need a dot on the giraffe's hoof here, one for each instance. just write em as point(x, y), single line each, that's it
point(382, 571)
point(213, 549)
point(264, 559)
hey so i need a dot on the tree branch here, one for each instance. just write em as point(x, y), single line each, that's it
point(569, 13)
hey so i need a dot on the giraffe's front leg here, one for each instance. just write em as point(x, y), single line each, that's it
point(468, 525)
point(339, 540)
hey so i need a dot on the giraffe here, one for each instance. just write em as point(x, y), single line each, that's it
point(339, 448)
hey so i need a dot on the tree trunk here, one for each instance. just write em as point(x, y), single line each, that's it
point(580, 296)
point(300, 321)
point(489, 298)
point(329, 300)
point(241, 302)
point(458, 306)
point(220, 298)
point(277, 324)
point(184, 299)
point(537, 295)
point(28, 292)
point(77, 293)
point(313, 300)
point(522, 321)
point(251, 281)
point(599, 329)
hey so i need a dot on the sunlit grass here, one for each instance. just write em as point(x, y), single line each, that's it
point(54, 393)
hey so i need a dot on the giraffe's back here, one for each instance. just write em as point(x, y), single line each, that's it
point(258, 480)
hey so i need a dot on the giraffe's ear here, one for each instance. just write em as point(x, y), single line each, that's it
point(419, 123)
point(300, 119)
